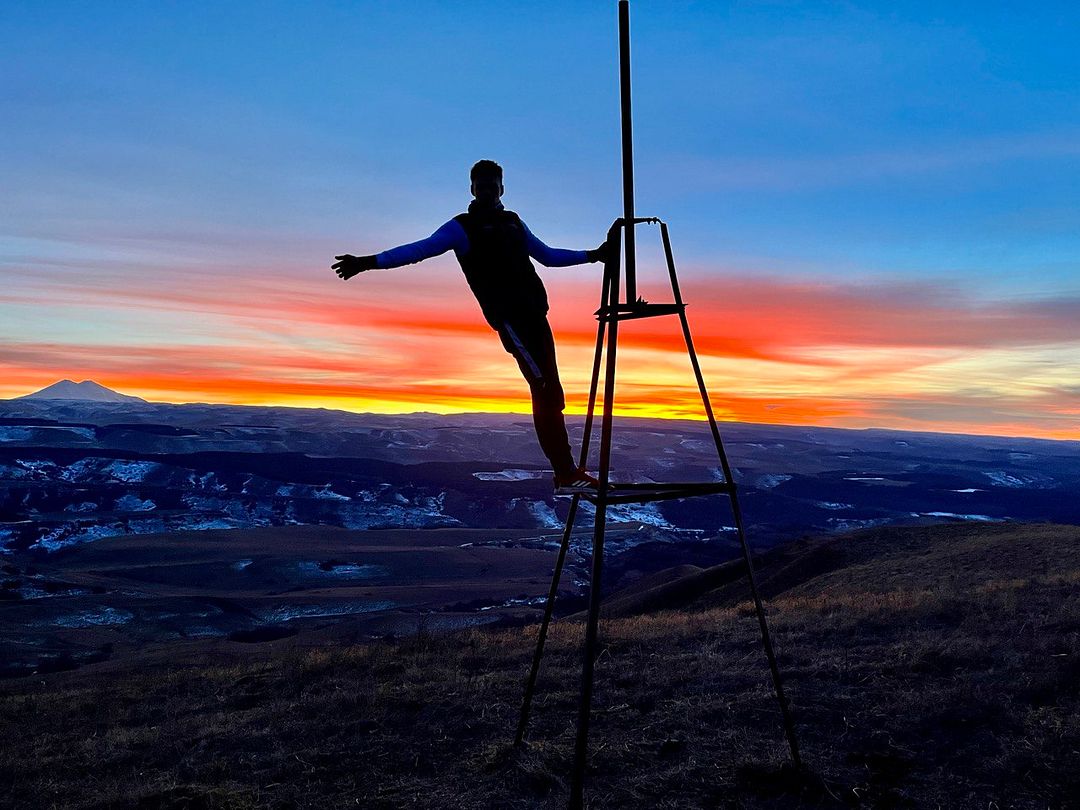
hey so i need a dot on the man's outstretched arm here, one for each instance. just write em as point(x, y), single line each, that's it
point(449, 236)
point(561, 257)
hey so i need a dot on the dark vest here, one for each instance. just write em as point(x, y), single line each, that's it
point(497, 266)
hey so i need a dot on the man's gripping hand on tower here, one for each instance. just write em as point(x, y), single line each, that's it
point(600, 254)
point(348, 265)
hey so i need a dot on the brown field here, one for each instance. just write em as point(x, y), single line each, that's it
point(927, 667)
point(184, 589)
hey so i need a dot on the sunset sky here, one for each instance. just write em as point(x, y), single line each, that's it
point(875, 207)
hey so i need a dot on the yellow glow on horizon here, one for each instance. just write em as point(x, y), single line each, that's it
point(635, 398)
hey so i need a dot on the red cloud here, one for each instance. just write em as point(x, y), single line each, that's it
point(419, 341)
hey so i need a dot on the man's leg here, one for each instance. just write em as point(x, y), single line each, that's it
point(533, 346)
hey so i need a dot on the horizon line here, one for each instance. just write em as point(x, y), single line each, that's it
point(569, 413)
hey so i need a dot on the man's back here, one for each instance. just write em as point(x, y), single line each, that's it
point(497, 265)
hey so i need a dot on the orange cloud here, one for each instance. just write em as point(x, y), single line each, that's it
point(905, 356)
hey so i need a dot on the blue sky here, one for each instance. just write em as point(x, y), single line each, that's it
point(869, 139)
point(860, 144)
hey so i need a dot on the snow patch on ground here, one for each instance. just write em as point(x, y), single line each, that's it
point(1020, 480)
point(81, 432)
point(846, 524)
point(202, 631)
point(984, 518)
point(202, 503)
point(98, 617)
point(1003, 479)
point(210, 481)
point(545, 515)
point(15, 434)
point(831, 505)
point(440, 623)
point(323, 493)
point(371, 495)
point(130, 471)
point(770, 481)
point(698, 445)
point(326, 494)
point(286, 613)
point(516, 602)
point(511, 475)
point(38, 468)
point(149, 525)
point(24, 433)
point(9, 472)
point(425, 514)
point(311, 568)
point(69, 536)
point(647, 513)
point(29, 590)
point(133, 503)
point(84, 506)
point(210, 523)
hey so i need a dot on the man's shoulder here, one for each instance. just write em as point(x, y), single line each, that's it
point(473, 222)
point(502, 213)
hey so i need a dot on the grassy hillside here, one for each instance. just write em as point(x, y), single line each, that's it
point(927, 667)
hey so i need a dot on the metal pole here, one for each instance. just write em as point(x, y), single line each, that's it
point(766, 640)
point(627, 150)
point(611, 267)
point(581, 744)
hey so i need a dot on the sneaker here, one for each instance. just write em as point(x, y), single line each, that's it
point(577, 481)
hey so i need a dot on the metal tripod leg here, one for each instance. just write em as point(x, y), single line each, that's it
point(766, 641)
point(581, 743)
point(538, 654)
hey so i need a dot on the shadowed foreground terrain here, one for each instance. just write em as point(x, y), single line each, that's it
point(928, 666)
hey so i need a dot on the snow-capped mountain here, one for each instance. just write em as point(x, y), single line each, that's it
point(87, 390)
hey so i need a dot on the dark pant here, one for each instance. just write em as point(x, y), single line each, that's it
point(529, 339)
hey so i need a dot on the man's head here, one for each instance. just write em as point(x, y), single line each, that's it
point(486, 177)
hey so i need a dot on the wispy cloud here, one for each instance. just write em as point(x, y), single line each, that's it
point(902, 355)
point(784, 172)
point(766, 318)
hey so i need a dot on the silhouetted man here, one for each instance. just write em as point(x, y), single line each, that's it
point(493, 247)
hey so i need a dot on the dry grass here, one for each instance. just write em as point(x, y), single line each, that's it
point(959, 689)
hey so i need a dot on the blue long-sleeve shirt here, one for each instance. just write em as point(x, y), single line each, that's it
point(451, 236)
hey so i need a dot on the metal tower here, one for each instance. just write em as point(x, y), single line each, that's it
point(613, 310)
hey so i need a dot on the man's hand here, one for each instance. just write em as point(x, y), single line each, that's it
point(348, 266)
point(600, 254)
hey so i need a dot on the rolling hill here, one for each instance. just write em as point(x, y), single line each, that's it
point(930, 666)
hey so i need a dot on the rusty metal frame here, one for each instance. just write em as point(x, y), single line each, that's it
point(612, 311)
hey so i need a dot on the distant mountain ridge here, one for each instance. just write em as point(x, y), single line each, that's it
point(87, 391)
